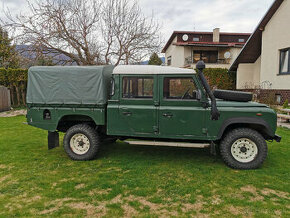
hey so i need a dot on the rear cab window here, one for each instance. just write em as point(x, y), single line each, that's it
point(137, 87)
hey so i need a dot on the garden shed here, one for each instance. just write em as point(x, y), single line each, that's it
point(5, 103)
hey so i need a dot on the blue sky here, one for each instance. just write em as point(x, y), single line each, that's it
point(190, 15)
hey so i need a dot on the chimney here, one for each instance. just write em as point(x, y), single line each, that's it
point(216, 34)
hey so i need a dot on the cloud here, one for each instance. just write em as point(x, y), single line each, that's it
point(189, 15)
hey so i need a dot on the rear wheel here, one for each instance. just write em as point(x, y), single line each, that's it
point(243, 148)
point(81, 142)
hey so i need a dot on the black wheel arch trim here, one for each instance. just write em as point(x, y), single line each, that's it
point(246, 120)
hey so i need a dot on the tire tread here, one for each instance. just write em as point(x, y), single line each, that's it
point(243, 133)
point(90, 133)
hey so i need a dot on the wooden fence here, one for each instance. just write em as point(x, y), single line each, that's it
point(5, 101)
point(15, 80)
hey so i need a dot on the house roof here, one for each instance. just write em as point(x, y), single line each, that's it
point(207, 44)
point(150, 69)
point(175, 33)
point(252, 49)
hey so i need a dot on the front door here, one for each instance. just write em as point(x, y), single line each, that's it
point(181, 114)
point(138, 107)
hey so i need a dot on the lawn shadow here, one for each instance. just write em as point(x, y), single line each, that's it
point(147, 152)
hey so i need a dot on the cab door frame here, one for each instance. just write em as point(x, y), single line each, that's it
point(138, 116)
point(184, 119)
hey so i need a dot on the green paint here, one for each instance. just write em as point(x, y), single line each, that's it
point(154, 117)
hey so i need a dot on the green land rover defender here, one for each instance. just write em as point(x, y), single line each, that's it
point(149, 105)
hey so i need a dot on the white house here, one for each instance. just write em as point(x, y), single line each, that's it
point(264, 62)
point(217, 49)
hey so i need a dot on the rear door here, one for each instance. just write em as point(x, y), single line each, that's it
point(181, 114)
point(138, 105)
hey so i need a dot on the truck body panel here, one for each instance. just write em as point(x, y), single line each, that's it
point(150, 115)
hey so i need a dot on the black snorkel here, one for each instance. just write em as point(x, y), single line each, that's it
point(214, 111)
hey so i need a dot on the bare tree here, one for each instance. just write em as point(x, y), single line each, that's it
point(129, 36)
point(89, 32)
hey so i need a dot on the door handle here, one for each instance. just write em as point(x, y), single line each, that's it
point(127, 113)
point(167, 115)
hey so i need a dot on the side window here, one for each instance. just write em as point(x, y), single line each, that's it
point(137, 87)
point(179, 88)
point(285, 61)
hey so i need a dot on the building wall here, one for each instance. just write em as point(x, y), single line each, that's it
point(179, 53)
point(234, 54)
point(176, 53)
point(276, 36)
point(248, 75)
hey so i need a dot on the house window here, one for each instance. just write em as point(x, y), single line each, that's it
point(169, 60)
point(285, 61)
point(137, 87)
point(206, 56)
point(241, 40)
point(195, 39)
point(179, 88)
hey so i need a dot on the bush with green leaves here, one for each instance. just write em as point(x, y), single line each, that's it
point(220, 78)
point(286, 104)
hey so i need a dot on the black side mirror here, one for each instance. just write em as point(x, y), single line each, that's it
point(196, 95)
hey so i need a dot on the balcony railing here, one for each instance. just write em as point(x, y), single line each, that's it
point(189, 61)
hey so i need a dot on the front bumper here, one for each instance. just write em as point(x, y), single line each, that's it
point(277, 138)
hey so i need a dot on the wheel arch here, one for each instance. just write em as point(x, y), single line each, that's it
point(257, 124)
point(69, 120)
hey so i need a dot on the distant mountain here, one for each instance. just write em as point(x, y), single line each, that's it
point(28, 52)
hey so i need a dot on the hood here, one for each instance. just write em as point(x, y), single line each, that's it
point(222, 103)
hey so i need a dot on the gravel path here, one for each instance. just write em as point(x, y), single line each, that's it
point(13, 113)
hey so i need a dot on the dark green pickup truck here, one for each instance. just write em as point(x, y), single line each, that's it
point(150, 105)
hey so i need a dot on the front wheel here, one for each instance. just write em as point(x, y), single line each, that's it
point(81, 142)
point(243, 148)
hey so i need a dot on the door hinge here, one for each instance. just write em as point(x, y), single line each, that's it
point(204, 130)
point(155, 129)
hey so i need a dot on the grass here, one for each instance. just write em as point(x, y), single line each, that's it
point(128, 180)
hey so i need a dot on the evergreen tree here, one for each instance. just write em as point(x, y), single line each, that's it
point(8, 56)
point(154, 60)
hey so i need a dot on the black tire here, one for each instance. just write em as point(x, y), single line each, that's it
point(89, 134)
point(233, 95)
point(230, 140)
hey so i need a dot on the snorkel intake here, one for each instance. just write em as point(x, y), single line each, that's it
point(215, 114)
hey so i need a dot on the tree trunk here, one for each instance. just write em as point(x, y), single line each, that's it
point(17, 95)
point(12, 94)
point(23, 94)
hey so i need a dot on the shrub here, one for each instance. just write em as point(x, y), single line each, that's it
point(220, 78)
point(285, 105)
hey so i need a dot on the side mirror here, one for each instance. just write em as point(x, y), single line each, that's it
point(196, 94)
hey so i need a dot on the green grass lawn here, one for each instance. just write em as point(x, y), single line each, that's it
point(128, 180)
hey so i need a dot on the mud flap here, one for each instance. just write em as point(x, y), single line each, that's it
point(53, 140)
point(212, 149)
